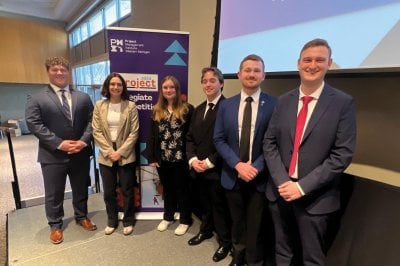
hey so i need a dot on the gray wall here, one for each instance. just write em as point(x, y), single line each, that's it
point(13, 99)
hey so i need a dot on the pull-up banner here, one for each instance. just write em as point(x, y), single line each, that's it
point(144, 57)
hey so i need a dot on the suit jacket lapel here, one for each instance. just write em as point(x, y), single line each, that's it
point(123, 116)
point(74, 101)
point(292, 111)
point(322, 104)
point(234, 110)
point(260, 112)
point(54, 97)
point(103, 117)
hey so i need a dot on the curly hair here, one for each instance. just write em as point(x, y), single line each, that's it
point(55, 61)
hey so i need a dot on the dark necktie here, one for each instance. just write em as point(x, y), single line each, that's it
point(208, 112)
point(301, 120)
point(244, 147)
point(65, 105)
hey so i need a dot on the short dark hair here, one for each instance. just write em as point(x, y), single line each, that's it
point(252, 57)
point(216, 72)
point(55, 61)
point(314, 43)
point(105, 90)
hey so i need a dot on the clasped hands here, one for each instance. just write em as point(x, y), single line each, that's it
point(289, 191)
point(246, 171)
point(72, 146)
point(199, 166)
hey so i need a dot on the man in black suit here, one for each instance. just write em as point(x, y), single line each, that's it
point(205, 164)
point(60, 117)
point(309, 143)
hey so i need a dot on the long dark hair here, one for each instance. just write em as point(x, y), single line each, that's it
point(105, 90)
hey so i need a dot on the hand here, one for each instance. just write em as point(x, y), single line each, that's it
point(289, 191)
point(78, 146)
point(246, 171)
point(72, 146)
point(114, 156)
point(199, 166)
point(155, 164)
point(67, 145)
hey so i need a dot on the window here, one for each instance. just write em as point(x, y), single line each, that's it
point(89, 78)
point(110, 13)
point(96, 23)
point(124, 8)
point(76, 37)
point(99, 72)
point(84, 31)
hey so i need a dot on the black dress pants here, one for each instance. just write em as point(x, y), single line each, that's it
point(174, 177)
point(125, 176)
point(215, 211)
point(247, 206)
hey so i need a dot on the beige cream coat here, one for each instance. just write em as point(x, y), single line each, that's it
point(127, 134)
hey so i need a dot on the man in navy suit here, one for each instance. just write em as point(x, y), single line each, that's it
point(205, 165)
point(239, 131)
point(60, 117)
point(306, 159)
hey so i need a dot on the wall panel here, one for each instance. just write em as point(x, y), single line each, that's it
point(24, 47)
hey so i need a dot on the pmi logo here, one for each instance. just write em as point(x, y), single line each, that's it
point(116, 45)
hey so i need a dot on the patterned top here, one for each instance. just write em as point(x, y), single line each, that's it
point(172, 138)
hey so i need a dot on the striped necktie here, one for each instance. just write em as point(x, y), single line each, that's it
point(65, 105)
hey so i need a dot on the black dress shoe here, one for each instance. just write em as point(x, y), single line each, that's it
point(221, 253)
point(200, 237)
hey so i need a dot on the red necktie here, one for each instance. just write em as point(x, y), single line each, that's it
point(301, 121)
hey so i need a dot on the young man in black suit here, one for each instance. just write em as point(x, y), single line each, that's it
point(205, 165)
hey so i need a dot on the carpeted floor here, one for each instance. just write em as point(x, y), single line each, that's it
point(6, 205)
point(29, 178)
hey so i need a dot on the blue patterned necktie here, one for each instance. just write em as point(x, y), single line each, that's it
point(65, 105)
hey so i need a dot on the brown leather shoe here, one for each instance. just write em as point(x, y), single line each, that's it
point(56, 236)
point(87, 224)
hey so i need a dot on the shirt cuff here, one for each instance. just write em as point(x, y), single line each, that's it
point(300, 189)
point(209, 163)
point(191, 161)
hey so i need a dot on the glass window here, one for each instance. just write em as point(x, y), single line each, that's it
point(90, 78)
point(93, 74)
point(124, 8)
point(84, 31)
point(71, 40)
point(96, 23)
point(99, 73)
point(110, 13)
point(76, 37)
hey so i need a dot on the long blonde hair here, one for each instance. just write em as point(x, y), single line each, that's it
point(179, 108)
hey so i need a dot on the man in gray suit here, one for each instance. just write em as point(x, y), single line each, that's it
point(309, 143)
point(60, 117)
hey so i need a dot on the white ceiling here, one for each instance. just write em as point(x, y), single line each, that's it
point(59, 10)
